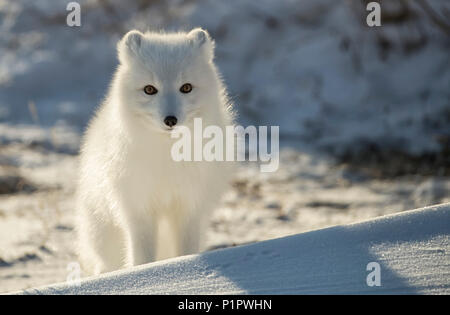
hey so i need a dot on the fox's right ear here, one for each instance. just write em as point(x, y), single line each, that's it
point(129, 45)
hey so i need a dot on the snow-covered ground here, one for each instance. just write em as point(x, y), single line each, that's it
point(308, 192)
point(311, 66)
point(336, 87)
point(411, 249)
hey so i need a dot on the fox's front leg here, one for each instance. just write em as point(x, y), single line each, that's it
point(190, 232)
point(141, 239)
point(140, 231)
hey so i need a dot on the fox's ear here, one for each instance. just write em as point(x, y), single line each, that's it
point(200, 39)
point(129, 45)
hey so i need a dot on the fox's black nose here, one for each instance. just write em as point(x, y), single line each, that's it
point(170, 121)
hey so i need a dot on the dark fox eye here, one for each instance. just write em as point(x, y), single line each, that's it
point(186, 88)
point(150, 90)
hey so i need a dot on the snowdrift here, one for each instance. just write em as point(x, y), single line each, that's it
point(412, 249)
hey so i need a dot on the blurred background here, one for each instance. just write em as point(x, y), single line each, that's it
point(364, 113)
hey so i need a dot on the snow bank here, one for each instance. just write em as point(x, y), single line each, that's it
point(412, 249)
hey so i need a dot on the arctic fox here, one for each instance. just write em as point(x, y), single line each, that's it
point(135, 203)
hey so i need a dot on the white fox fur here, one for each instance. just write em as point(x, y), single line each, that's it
point(135, 203)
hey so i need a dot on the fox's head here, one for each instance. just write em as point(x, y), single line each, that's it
point(168, 79)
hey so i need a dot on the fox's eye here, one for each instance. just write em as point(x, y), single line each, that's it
point(150, 90)
point(186, 88)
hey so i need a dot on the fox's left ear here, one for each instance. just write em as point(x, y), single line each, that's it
point(200, 39)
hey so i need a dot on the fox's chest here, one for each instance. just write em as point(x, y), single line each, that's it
point(171, 182)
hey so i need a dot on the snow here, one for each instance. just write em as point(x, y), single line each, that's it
point(312, 67)
point(307, 193)
point(412, 249)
